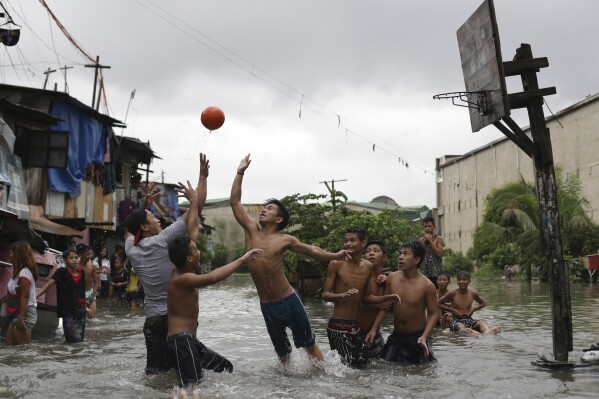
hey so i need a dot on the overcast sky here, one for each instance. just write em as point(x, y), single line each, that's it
point(362, 74)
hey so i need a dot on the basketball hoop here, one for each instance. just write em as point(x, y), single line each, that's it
point(481, 104)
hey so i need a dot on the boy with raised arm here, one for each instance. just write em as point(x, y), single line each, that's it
point(347, 283)
point(460, 305)
point(187, 355)
point(280, 305)
point(146, 246)
point(415, 316)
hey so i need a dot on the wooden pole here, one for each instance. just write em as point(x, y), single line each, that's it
point(96, 66)
point(559, 283)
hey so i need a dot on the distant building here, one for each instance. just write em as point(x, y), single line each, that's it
point(463, 182)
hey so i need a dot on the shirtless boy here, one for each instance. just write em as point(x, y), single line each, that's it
point(460, 305)
point(187, 355)
point(415, 316)
point(276, 295)
point(444, 315)
point(346, 284)
point(92, 280)
point(376, 253)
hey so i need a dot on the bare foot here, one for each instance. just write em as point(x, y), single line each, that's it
point(470, 331)
point(493, 330)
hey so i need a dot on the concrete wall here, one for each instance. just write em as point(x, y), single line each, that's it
point(228, 232)
point(464, 182)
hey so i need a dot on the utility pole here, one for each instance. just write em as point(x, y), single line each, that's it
point(96, 66)
point(47, 73)
point(331, 189)
point(65, 77)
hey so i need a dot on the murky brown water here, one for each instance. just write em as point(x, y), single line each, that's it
point(110, 363)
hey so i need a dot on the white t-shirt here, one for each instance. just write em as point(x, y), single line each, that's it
point(14, 291)
point(105, 263)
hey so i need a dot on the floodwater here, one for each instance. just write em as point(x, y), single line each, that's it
point(110, 362)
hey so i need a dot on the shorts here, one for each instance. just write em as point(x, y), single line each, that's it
point(74, 329)
point(404, 348)
point(133, 296)
point(374, 350)
point(155, 330)
point(287, 312)
point(104, 288)
point(468, 322)
point(189, 357)
point(88, 294)
point(30, 317)
point(346, 338)
point(119, 293)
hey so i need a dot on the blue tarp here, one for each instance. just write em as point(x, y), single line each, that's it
point(172, 203)
point(87, 144)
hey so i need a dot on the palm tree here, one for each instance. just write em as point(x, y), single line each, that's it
point(511, 223)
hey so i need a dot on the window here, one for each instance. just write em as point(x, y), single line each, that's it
point(45, 149)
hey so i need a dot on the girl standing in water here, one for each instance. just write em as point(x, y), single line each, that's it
point(21, 301)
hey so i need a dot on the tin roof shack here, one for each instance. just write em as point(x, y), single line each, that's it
point(74, 169)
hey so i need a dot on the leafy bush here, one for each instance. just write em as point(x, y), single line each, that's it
point(454, 262)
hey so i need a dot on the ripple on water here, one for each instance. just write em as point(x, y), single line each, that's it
point(110, 363)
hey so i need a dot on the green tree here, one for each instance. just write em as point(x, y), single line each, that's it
point(510, 230)
point(315, 223)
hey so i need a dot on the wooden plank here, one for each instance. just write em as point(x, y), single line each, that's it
point(524, 98)
point(513, 68)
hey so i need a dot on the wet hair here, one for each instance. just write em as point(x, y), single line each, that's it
point(463, 273)
point(179, 250)
point(380, 244)
point(281, 212)
point(444, 274)
point(428, 219)
point(81, 249)
point(417, 249)
point(22, 257)
point(360, 232)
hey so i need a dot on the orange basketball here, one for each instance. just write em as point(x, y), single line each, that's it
point(213, 118)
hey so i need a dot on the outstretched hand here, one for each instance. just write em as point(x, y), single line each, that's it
point(344, 254)
point(381, 279)
point(350, 292)
point(393, 298)
point(204, 166)
point(243, 164)
point(251, 255)
point(187, 191)
point(150, 191)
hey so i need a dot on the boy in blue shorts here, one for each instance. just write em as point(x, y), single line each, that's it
point(280, 305)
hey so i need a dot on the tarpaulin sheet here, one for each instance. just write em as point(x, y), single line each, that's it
point(87, 143)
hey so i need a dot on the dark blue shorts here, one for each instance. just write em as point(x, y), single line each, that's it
point(74, 329)
point(287, 312)
point(189, 357)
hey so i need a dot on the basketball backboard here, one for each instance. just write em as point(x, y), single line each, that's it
point(482, 66)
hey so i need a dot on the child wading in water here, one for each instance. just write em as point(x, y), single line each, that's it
point(70, 296)
point(444, 315)
point(461, 301)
